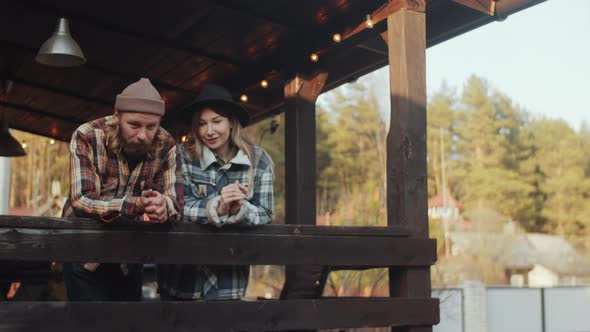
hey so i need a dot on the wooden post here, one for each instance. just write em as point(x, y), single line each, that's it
point(300, 144)
point(300, 168)
point(406, 142)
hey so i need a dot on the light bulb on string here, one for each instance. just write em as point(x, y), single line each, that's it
point(369, 22)
point(314, 57)
point(264, 84)
point(244, 98)
point(337, 37)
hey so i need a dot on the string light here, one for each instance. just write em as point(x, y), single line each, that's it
point(244, 98)
point(337, 38)
point(52, 141)
point(24, 145)
point(369, 22)
point(264, 84)
point(314, 57)
point(183, 139)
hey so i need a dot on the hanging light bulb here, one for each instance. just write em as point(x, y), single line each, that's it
point(24, 145)
point(369, 22)
point(264, 84)
point(183, 138)
point(244, 98)
point(337, 37)
point(52, 141)
point(314, 57)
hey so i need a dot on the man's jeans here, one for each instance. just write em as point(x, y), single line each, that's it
point(107, 283)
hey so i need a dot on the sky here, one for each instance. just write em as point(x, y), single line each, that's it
point(539, 57)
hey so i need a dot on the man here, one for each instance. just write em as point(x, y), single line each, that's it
point(123, 166)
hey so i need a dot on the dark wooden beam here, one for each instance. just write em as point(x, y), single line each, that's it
point(406, 142)
point(273, 229)
point(62, 131)
point(215, 315)
point(245, 9)
point(63, 92)
point(485, 6)
point(300, 169)
point(130, 77)
point(96, 23)
point(293, 54)
point(300, 144)
point(407, 199)
point(386, 10)
point(27, 109)
point(451, 21)
point(229, 248)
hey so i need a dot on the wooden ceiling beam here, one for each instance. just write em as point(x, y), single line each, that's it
point(62, 92)
point(485, 6)
point(29, 109)
point(246, 10)
point(387, 9)
point(127, 76)
point(452, 23)
point(295, 51)
point(91, 21)
point(34, 131)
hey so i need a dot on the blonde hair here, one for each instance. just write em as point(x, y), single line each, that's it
point(114, 144)
point(194, 145)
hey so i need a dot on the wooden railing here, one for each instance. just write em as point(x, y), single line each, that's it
point(54, 239)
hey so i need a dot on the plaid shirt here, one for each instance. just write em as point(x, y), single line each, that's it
point(102, 186)
point(203, 181)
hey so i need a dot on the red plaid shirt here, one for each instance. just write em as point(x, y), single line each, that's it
point(102, 186)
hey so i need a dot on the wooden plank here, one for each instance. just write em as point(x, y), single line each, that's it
point(485, 6)
point(146, 246)
point(407, 192)
point(216, 315)
point(90, 224)
point(39, 123)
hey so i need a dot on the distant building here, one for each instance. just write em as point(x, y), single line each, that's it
point(443, 206)
point(535, 260)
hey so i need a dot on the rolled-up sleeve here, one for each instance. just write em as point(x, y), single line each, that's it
point(85, 186)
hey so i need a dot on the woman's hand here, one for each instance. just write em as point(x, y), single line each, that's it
point(235, 206)
point(232, 196)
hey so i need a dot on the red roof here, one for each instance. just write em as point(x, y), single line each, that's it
point(22, 211)
point(437, 201)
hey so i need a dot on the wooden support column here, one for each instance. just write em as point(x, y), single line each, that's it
point(300, 168)
point(300, 143)
point(406, 143)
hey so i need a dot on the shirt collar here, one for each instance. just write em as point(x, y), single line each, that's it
point(208, 158)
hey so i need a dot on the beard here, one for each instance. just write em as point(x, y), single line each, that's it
point(135, 150)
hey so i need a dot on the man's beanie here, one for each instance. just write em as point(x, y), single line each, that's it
point(141, 97)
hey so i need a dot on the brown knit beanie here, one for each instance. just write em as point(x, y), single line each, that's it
point(142, 97)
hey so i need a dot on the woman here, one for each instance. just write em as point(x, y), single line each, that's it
point(227, 181)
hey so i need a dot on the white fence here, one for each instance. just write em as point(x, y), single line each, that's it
point(476, 308)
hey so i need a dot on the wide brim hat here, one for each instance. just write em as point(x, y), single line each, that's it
point(217, 97)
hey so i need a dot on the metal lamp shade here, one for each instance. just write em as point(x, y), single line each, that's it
point(9, 146)
point(61, 50)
